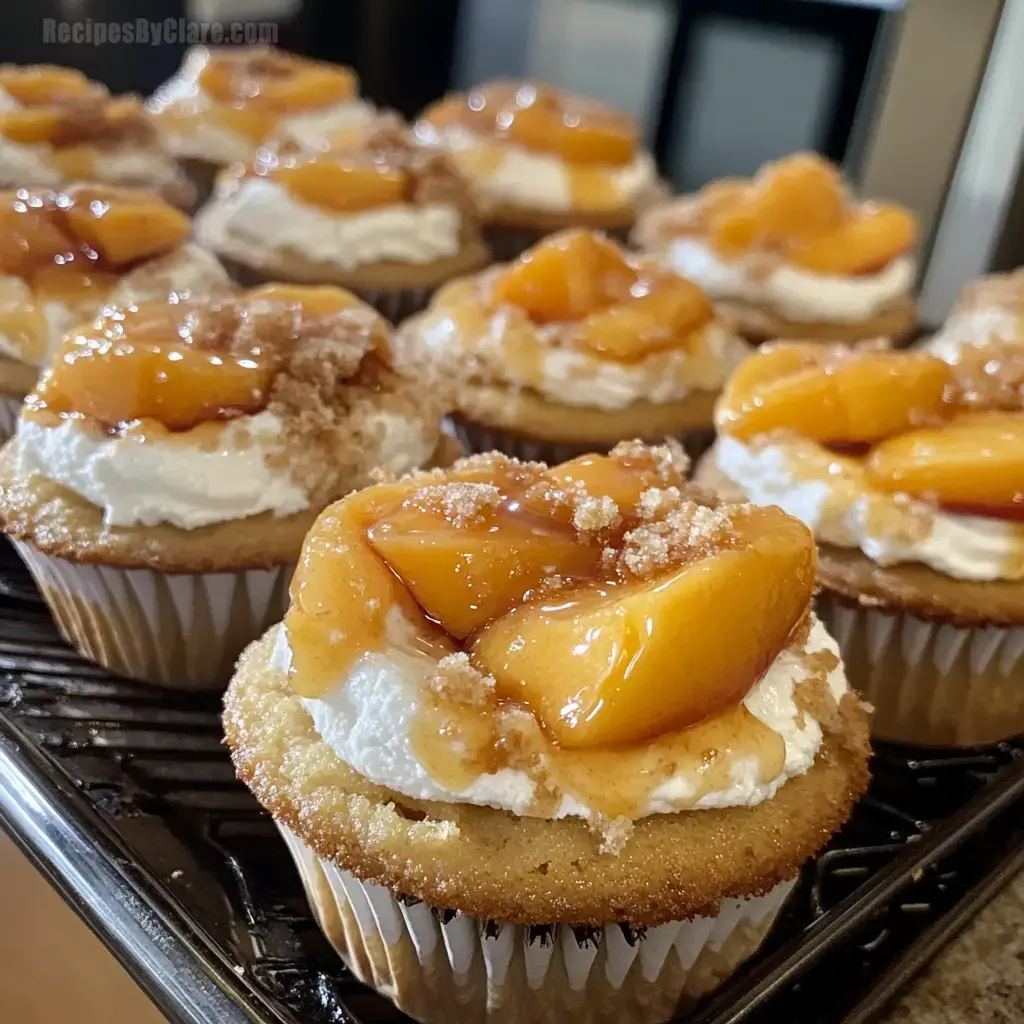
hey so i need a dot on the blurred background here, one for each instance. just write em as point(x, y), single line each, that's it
point(921, 100)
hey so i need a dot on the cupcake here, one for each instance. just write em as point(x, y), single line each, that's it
point(57, 126)
point(790, 254)
point(173, 456)
point(574, 346)
point(990, 312)
point(911, 474)
point(225, 102)
point(372, 212)
point(542, 159)
point(573, 782)
point(64, 255)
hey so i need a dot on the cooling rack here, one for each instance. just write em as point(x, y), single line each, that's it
point(124, 797)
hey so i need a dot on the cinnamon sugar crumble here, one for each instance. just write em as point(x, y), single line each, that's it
point(669, 460)
point(593, 514)
point(613, 834)
point(454, 679)
point(687, 533)
point(462, 504)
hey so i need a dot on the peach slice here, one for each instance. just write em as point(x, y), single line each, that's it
point(833, 397)
point(310, 85)
point(250, 122)
point(136, 365)
point(975, 461)
point(29, 237)
point(579, 131)
point(47, 84)
point(615, 478)
point(467, 576)
point(124, 227)
point(76, 284)
point(342, 593)
point(663, 319)
point(344, 184)
point(566, 277)
point(622, 664)
point(861, 245)
point(31, 125)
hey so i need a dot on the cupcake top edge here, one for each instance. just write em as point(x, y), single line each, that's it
point(194, 412)
point(533, 146)
point(899, 454)
point(550, 641)
point(791, 238)
point(581, 321)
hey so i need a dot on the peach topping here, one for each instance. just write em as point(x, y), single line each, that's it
point(89, 230)
point(182, 362)
point(619, 309)
point(798, 208)
point(949, 435)
point(597, 594)
point(542, 118)
point(69, 121)
point(45, 85)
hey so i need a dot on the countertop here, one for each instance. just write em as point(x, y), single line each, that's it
point(979, 977)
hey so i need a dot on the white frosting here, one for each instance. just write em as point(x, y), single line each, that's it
point(141, 482)
point(26, 166)
point(974, 327)
point(313, 128)
point(142, 168)
point(791, 291)
point(964, 547)
point(189, 269)
point(527, 178)
point(367, 720)
point(264, 217)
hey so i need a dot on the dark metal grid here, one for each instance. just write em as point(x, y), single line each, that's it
point(124, 796)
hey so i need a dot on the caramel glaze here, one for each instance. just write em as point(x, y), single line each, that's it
point(465, 728)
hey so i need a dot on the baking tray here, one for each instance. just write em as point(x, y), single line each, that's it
point(124, 797)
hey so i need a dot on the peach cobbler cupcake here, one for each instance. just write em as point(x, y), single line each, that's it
point(371, 211)
point(911, 473)
point(225, 102)
point(575, 346)
point(789, 254)
point(542, 159)
point(57, 126)
point(549, 744)
point(65, 255)
point(170, 461)
point(990, 312)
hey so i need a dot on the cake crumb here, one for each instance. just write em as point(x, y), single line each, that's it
point(456, 680)
point(613, 833)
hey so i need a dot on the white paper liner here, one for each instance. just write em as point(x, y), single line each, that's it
point(931, 683)
point(10, 409)
point(439, 971)
point(476, 437)
point(174, 629)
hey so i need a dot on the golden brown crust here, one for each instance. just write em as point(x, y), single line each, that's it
point(492, 864)
point(758, 324)
point(251, 268)
point(534, 416)
point(545, 221)
point(915, 588)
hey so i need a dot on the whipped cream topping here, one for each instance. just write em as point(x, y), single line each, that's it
point(888, 529)
point(193, 478)
point(186, 270)
point(367, 719)
point(573, 376)
point(270, 223)
point(975, 328)
point(517, 176)
point(141, 482)
point(26, 166)
point(791, 291)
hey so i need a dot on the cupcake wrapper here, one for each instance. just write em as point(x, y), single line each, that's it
point(475, 437)
point(172, 629)
point(10, 409)
point(440, 967)
point(931, 683)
